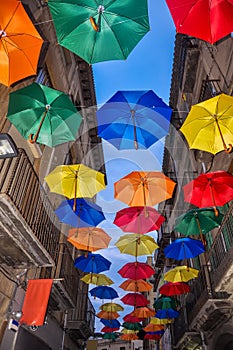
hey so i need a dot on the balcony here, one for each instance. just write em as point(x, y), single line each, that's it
point(28, 228)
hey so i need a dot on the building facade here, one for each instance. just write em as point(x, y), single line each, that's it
point(33, 241)
point(200, 71)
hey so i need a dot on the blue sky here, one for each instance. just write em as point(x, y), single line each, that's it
point(148, 67)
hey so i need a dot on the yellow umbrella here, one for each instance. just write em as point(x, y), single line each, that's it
point(129, 331)
point(108, 315)
point(181, 274)
point(75, 181)
point(136, 244)
point(111, 307)
point(209, 125)
point(98, 279)
point(158, 321)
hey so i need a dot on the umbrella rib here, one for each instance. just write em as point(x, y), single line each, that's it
point(12, 16)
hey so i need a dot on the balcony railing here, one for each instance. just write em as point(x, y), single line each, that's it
point(20, 183)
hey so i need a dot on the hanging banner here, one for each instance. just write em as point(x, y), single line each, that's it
point(36, 302)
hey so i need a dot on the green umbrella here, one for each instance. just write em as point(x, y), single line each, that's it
point(164, 303)
point(43, 115)
point(100, 30)
point(198, 222)
point(133, 326)
point(111, 336)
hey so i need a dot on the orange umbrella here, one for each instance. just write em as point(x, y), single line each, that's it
point(129, 337)
point(108, 315)
point(136, 285)
point(89, 238)
point(144, 188)
point(153, 327)
point(143, 312)
point(20, 43)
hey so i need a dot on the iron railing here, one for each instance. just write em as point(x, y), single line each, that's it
point(20, 182)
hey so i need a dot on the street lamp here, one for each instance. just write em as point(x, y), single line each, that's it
point(8, 148)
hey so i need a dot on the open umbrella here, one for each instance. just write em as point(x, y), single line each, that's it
point(153, 328)
point(181, 274)
point(135, 299)
point(158, 321)
point(110, 323)
point(75, 181)
point(209, 124)
point(110, 30)
point(164, 303)
point(136, 285)
point(167, 313)
point(20, 43)
point(89, 238)
point(144, 188)
point(103, 292)
point(152, 336)
point(136, 270)
point(111, 336)
point(86, 214)
point(128, 331)
point(133, 119)
point(174, 288)
point(210, 190)
point(108, 315)
point(131, 319)
point(94, 263)
point(136, 245)
point(129, 337)
point(143, 312)
point(135, 326)
point(98, 279)
point(213, 18)
point(133, 219)
point(43, 115)
point(184, 248)
point(198, 222)
point(111, 307)
point(106, 329)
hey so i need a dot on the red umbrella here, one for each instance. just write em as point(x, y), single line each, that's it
point(131, 319)
point(136, 270)
point(174, 288)
point(135, 299)
point(203, 19)
point(153, 336)
point(135, 220)
point(109, 330)
point(136, 285)
point(210, 190)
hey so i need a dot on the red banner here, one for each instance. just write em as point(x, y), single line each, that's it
point(36, 302)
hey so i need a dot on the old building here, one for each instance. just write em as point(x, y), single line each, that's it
point(33, 242)
point(200, 71)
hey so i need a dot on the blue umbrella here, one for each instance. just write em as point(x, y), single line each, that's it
point(167, 313)
point(86, 214)
point(184, 248)
point(94, 263)
point(110, 323)
point(104, 292)
point(132, 119)
point(157, 332)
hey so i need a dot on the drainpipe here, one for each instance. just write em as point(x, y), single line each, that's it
point(203, 344)
point(64, 330)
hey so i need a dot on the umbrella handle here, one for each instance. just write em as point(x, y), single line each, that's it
point(94, 25)
point(32, 139)
point(229, 149)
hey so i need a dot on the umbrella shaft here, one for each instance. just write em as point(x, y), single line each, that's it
point(34, 139)
point(227, 149)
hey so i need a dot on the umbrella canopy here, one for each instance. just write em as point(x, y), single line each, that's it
point(129, 337)
point(89, 238)
point(109, 330)
point(92, 263)
point(111, 307)
point(136, 270)
point(167, 313)
point(98, 279)
point(20, 43)
point(158, 321)
point(213, 17)
point(164, 303)
point(136, 285)
point(75, 181)
point(210, 189)
point(133, 219)
point(108, 315)
point(144, 188)
point(209, 124)
point(128, 331)
point(181, 274)
point(110, 323)
point(110, 30)
point(174, 288)
point(184, 248)
point(43, 115)
point(103, 292)
point(153, 328)
point(135, 299)
point(86, 214)
point(135, 326)
point(152, 336)
point(111, 336)
point(143, 312)
point(131, 319)
point(133, 119)
point(136, 245)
